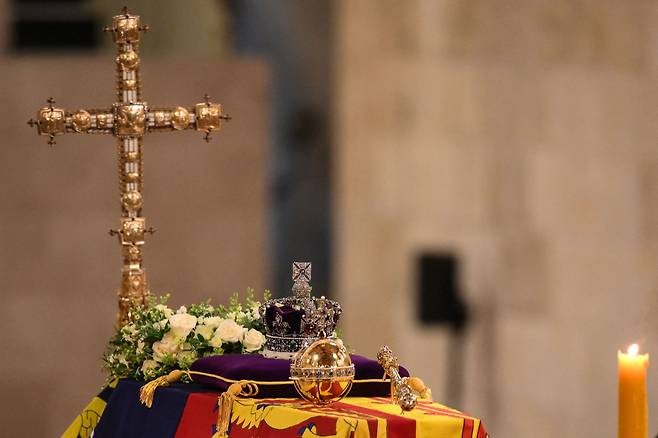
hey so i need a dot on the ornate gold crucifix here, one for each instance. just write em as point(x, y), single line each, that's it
point(128, 120)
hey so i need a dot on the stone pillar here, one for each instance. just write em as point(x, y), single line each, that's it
point(520, 136)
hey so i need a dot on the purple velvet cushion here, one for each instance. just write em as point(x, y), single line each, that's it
point(260, 369)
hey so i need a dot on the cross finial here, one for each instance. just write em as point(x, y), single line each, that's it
point(301, 277)
point(301, 272)
point(50, 101)
point(126, 27)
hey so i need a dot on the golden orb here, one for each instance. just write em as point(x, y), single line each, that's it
point(322, 372)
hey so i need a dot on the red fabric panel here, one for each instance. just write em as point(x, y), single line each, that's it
point(320, 425)
point(467, 431)
point(199, 419)
point(396, 425)
point(481, 432)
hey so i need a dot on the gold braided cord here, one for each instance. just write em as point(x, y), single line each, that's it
point(227, 380)
point(238, 388)
point(147, 392)
point(272, 382)
point(248, 388)
point(225, 406)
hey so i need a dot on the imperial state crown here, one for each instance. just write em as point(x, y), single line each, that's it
point(298, 320)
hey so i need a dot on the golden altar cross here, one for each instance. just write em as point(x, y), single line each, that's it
point(129, 119)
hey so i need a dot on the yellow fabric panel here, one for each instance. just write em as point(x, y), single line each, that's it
point(86, 421)
point(432, 419)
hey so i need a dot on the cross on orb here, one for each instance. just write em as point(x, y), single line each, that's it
point(128, 120)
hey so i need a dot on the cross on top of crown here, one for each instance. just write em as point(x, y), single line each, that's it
point(301, 272)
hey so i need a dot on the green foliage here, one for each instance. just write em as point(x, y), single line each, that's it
point(160, 339)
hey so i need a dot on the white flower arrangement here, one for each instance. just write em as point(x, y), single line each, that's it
point(160, 339)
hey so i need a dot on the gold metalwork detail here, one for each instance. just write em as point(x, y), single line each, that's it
point(128, 60)
point(132, 157)
point(132, 230)
point(126, 28)
point(134, 293)
point(81, 121)
point(132, 177)
point(180, 118)
point(51, 121)
point(129, 84)
point(133, 254)
point(135, 280)
point(130, 119)
point(132, 200)
point(160, 117)
point(208, 116)
point(102, 121)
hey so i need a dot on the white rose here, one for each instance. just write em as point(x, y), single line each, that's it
point(182, 324)
point(182, 309)
point(172, 339)
point(168, 346)
point(164, 309)
point(228, 331)
point(215, 341)
point(212, 321)
point(205, 330)
point(148, 366)
point(253, 340)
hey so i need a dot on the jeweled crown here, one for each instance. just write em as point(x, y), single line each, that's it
point(297, 320)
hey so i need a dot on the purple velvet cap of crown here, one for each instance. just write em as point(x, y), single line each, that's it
point(258, 368)
point(289, 315)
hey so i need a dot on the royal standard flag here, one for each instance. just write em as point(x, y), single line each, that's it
point(191, 411)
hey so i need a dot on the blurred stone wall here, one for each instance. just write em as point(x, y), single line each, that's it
point(59, 268)
point(522, 136)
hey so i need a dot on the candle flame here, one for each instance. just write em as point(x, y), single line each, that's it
point(633, 350)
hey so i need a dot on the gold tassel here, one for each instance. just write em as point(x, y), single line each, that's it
point(225, 404)
point(147, 392)
point(419, 386)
